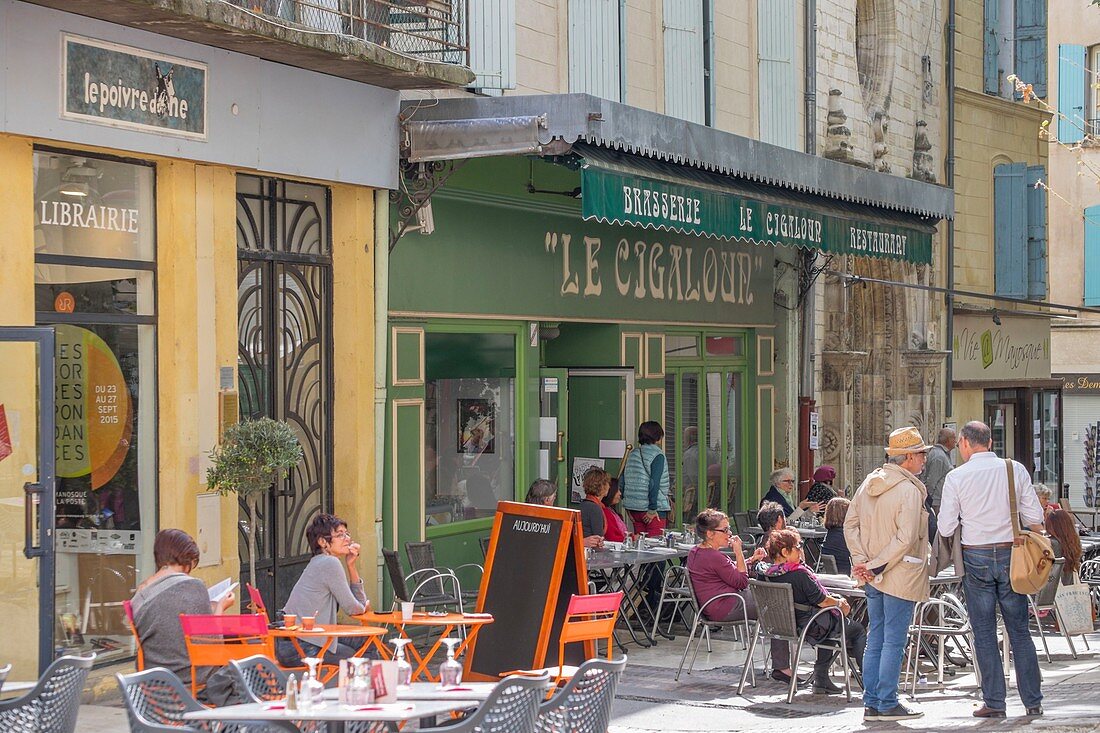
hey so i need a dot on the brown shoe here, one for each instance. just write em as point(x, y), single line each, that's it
point(987, 712)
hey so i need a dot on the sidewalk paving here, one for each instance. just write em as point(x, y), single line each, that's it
point(650, 701)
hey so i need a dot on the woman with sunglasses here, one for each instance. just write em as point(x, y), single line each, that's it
point(789, 566)
point(713, 572)
point(324, 588)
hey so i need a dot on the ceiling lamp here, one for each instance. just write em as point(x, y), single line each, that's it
point(76, 180)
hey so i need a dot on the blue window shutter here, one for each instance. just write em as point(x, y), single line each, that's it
point(1092, 255)
point(1071, 93)
point(1010, 230)
point(685, 80)
point(594, 46)
point(1031, 44)
point(778, 73)
point(492, 26)
point(992, 50)
point(1036, 233)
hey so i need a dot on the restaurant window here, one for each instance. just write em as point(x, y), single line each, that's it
point(469, 437)
point(95, 276)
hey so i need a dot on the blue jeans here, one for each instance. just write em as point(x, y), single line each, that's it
point(987, 585)
point(889, 618)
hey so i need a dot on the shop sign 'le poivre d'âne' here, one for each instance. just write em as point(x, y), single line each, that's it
point(116, 85)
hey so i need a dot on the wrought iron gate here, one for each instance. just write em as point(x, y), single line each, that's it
point(284, 334)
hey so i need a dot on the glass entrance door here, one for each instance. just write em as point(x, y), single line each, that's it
point(600, 410)
point(554, 429)
point(27, 494)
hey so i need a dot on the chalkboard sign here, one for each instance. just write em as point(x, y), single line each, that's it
point(535, 562)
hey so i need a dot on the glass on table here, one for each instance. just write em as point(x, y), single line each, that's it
point(404, 669)
point(312, 688)
point(450, 671)
point(360, 691)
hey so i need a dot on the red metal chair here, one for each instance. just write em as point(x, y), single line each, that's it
point(213, 640)
point(257, 601)
point(128, 607)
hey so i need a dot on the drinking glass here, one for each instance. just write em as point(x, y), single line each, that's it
point(450, 671)
point(312, 688)
point(359, 688)
point(404, 669)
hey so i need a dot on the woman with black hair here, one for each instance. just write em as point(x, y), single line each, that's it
point(323, 589)
point(614, 526)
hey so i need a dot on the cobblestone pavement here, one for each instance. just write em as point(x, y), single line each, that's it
point(649, 699)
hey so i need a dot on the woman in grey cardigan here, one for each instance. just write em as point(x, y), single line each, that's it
point(323, 589)
point(161, 599)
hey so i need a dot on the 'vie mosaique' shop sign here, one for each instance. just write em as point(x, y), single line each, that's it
point(121, 86)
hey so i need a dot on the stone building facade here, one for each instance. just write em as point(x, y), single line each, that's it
point(881, 104)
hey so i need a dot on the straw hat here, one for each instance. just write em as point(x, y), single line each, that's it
point(906, 440)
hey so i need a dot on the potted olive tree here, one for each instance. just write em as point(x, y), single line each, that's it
point(253, 455)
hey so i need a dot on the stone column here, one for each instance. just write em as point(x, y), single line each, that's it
point(837, 419)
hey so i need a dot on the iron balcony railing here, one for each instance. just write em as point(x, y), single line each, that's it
point(428, 30)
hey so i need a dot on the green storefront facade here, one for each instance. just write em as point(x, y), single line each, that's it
point(560, 302)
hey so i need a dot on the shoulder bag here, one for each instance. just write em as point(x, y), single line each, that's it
point(1074, 606)
point(1032, 556)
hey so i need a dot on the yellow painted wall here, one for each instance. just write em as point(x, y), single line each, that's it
point(353, 339)
point(197, 335)
point(988, 131)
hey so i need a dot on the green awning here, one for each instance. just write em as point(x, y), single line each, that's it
point(618, 188)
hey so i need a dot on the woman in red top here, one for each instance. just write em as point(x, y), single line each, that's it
point(614, 526)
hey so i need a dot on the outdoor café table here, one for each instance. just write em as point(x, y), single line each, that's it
point(470, 622)
point(626, 571)
point(12, 688)
point(334, 714)
point(432, 692)
point(332, 632)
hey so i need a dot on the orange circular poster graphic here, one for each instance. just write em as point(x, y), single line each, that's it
point(94, 413)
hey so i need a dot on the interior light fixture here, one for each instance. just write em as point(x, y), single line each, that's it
point(77, 178)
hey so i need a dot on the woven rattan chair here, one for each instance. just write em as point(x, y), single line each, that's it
point(51, 706)
point(775, 619)
point(423, 579)
point(675, 592)
point(422, 557)
point(583, 705)
point(156, 701)
point(701, 625)
point(260, 680)
point(512, 707)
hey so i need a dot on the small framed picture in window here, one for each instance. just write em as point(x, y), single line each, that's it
point(476, 426)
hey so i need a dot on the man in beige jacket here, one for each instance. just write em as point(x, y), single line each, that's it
point(887, 533)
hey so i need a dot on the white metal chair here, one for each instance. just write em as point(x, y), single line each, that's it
point(744, 626)
point(951, 621)
point(675, 592)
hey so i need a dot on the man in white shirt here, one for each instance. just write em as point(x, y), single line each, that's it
point(976, 494)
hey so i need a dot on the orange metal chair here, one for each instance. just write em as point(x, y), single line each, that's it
point(587, 618)
point(213, 640)
point(128, 607)
point(257, 601)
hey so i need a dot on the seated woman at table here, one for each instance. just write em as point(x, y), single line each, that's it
point(1066, 543)
point(835, 512)
point(1044, 493)
point(596, 484)
point(614, 525)
point(788, 566)
point(323, 589)
point(713, 572)
point(166, 594)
